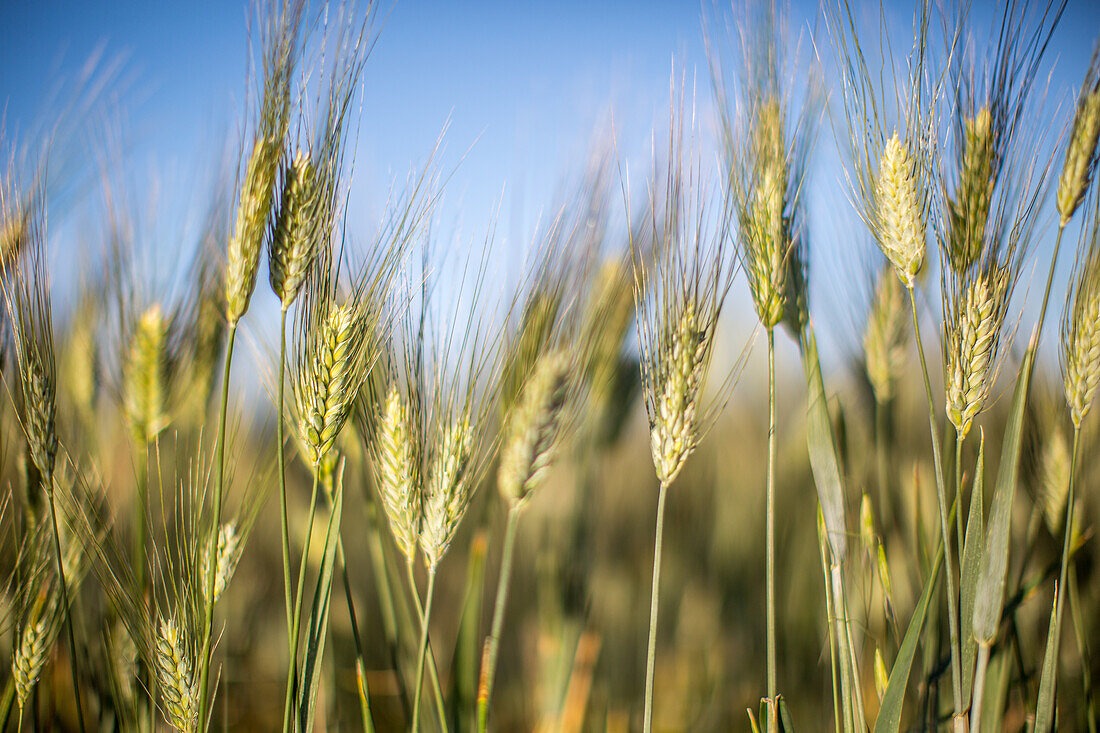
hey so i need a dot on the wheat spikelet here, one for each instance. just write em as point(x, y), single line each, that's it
point(972, 347)
point(448, 487)
point(328, 384)
point(253, 210)
point(1081, 328)
point(175, 676)
point(35, 641)
point(680, 372)
point(968, 211)
point(396, 451)
point(900, 220)
point(225, 560)
point(293, 240)
point(533, 428)
point(145, 390)
point(884, 336)
point(1081, 151)
point(763, 227)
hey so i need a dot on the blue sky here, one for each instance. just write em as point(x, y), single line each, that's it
point(526, 88)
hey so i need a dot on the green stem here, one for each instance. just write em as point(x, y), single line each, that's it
point(65, 602)
point(1044, 721)
point(773, 717)
point(292, 666)
point(429, 593)
point(361, 680)
point(492, 644)
point(945, 530)
point(959, 529)
point(280, 447)
point(654, 597)
point(979, 688)
point(849, 662)
point(1082, 649)
point(433, 673)
point(219, 490)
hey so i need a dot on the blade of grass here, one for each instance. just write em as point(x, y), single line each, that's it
point(971, 561)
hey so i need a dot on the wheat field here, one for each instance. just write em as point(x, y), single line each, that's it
point(626, 490)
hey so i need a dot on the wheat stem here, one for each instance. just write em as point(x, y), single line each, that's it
point(1082, 649)
point(959, 529)
point(651, 652)
point(77, 697)
point(422, 653)
point(979, 687)
point(292, 666)
point(281, 458)
point(433, 672)
point(945, 527)
point(1067, 540)
point(773, 717)
point(219, 489)
point(492, 644)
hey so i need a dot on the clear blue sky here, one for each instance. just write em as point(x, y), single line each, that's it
point(532, 83)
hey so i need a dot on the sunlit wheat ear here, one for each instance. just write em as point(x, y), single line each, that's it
point(396, 452)
point(225, 562)
point(969, 209)
point(146, 393)
point(294, 239)
point(1081, 328)
point(254, 207)
point(175, 676)
point(884, 336)
point(678, 378)
point(243, 255)
point(448, 487)
point(1081, 152)
point(763, 227)
point(329, 379)
point(972, 344)
point(38, 634)
point(532, 432)
point(900, 219)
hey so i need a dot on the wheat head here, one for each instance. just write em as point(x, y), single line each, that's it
point(1081, 152)
point(448, 487)
point(900, 230)
point(884, 336)
point(396, 450)
point(175, 676)
point(969, 210)
point(146, 394)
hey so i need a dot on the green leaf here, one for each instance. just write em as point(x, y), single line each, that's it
point(317, 626)
point(971, 563)
point(822, 446)
point(889, 713)
point(993, 567)
point(467, 655)
point(1044, 708)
